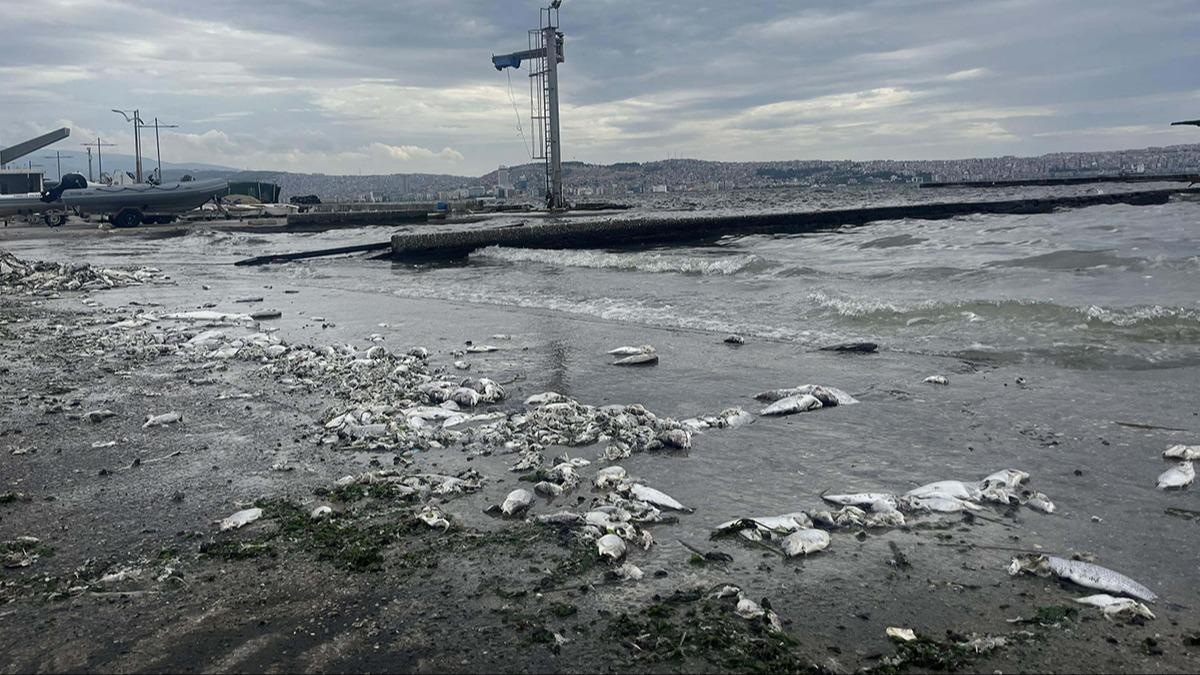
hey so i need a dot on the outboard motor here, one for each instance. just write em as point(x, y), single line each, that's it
point(69, 181)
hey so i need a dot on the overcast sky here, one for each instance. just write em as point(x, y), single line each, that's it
point(347, 86)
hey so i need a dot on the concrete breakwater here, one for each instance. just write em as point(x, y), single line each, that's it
point(662, 230)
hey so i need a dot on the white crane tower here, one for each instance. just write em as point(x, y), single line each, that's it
point(544, 54)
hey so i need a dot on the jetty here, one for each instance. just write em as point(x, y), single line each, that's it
point(655, 230)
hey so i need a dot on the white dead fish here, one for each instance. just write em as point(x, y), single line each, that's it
point(941, 504)
point(1179, 476)
point(793, 404)
point(545, 398)
point(560, 518)
point(828, 396)
point(1009, 478)
point(611, 546)
point(466, 396)
point(803, 542)
point(609, 476)
point(516, 502)
point(734, 340)
point(462, 365)
point(482, 349)
point(1113, 607)
point(751, 611)
point(1083, 573)
point(901, 634)
point(656, 498)
point(162, 420)
point(631, 351)
point(204, 315)
point(1040, 502)
point(953, 489)
point(860, 498)
point(321, 512)
point(547, 489)
point(754, 528)
point(241, 519)
point(629, 572)
point(936, 379)
point(1185, 452)
point(647, 359)
point(119, 576)
point(433, 518)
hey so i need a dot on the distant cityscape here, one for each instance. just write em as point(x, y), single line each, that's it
point(689, 175)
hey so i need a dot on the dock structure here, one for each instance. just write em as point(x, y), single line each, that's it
point(652, 230)
point(1073, 180)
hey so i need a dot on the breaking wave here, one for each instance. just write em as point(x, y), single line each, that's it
point(1149, 322)
point(637, 262)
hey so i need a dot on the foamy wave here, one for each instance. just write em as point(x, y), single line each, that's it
point(639, 262)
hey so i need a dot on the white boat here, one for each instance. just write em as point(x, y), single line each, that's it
point(125, 205)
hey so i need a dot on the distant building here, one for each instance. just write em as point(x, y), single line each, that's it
point(658, 188)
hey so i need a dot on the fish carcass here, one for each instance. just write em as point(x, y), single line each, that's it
point(1083, 573)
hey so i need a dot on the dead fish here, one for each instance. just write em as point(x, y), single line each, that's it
point(860, 498)
point(1185, 452)
point(611, 546)
point(320, 512)
point(433, 518)
point(516, 502)
point(162, 420)
point(942, 504)
point(953, 489)
point(734, 340)
point(628, 572)
point(853, 348)
point(465, 396)
point(645, 359)
point(1083, 573)
point(1039, 502)
point(482, 349)
point(631, 351)
point(560, 518)
point(753, 528)
point(828, 396)
point(240, 519)
point(266, 314)
point(803, 542)
point(677, 438)
point(656, 498)
point(1009, 478)
point(1179, 476)
point(752, 611)
point(792, 404)
point(97, 416)
point(609, 476)
point(1113, 607)
point(545, 398)
point(547, 489)
point(936, 379)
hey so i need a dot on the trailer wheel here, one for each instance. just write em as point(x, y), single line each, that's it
point(127, 218)
point(54, 219)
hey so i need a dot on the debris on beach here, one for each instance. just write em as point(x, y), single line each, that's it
point(727, 418)
point(516, 502)
point(241, 519)
point(829, 396)
point(1182, 452)
point(1085, 574)
point(653, 497)
point(792, 404)
point(36, 276)
point(734, 339)
point(902, 634)
point(631, 351)
point(803, 542)
point(936, 379)
point(1179, 476)
point(162, 420)
point(611, 546)
point(320, 512)
point(647, 359)
point(1114, 607)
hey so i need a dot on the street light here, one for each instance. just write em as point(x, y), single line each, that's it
point(99, 157)
point(137, 138)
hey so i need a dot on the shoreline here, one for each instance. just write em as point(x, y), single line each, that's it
point(477, 597)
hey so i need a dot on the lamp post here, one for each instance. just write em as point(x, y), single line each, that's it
point(57, 157)
point(137, 138)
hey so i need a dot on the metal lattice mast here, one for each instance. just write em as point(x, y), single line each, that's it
point(544, 54)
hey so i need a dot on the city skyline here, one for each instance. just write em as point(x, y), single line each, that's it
point(356, 88)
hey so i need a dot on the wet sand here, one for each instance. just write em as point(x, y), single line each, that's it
point(491, 594)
